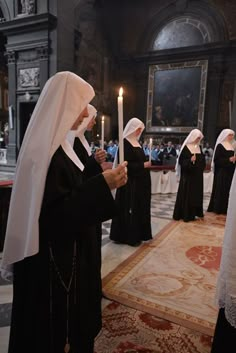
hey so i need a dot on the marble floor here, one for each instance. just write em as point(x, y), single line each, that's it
point(112, 254)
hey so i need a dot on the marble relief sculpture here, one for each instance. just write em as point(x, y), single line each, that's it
point(27, 7)
point(28, 77)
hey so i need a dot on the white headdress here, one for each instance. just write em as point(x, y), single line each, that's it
point(130, 128)
point(192, 136)
point(81, 130)
point(221, 138)
point(83, 127)
point(129, 134)
point(63, 98)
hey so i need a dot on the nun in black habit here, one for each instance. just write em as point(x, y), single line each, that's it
point(51, 245)
point(132, 224)
point(190, 166)
point(92, 162)
point(223, 166)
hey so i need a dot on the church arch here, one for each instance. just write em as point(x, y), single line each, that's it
point(203, 20)
point(182, 32)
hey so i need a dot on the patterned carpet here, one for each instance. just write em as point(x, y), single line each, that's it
point(164, 337)
point(175, 285)
point(126, 330)
point(162, 206)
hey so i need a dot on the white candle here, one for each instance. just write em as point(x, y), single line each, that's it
point(195, 147)
point(230, 114)
point(150, 149)
point(102, 132)
point(120, 125)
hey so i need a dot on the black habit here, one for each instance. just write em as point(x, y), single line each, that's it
point(223, 174)
point(189, 200)
point(133, 200)
point(69, 257)
point(224, 335)
point(92, 167)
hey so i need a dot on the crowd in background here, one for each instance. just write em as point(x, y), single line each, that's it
point(161, 153)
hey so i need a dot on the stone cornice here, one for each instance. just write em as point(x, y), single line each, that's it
point(26, 24)
point(194, 52)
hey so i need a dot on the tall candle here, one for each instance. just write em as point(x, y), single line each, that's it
point(150, 149)
point(102, 132)
point(120, 125)
point(230, 114)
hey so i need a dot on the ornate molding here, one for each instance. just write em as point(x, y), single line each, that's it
point(42, 52)
point(27, 24)
point(27, 55)
point(11, 56)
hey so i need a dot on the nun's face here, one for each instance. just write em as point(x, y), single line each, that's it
point(230, 137)
point(83, 115)
point(198, 139)
point(138, 131)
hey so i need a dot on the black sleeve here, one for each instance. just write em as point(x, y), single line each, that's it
point(187, 165)
point(221, 158)
point(70, 202)
point(92, 167)
point(185, 159)
point(134, 165)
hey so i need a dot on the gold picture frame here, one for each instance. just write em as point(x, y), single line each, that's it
point(176, 96)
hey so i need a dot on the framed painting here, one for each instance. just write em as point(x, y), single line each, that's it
point(176, 96)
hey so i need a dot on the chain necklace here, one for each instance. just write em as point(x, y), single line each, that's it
point(67, 289)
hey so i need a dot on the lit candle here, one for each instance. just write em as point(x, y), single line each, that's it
point(150, 149)
point(120, 125)
point(102, 132)
point(230, 114)
point(195, 146)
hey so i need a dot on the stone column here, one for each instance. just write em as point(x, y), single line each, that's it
point(42, 53)
point(11, 149)
point(214, 84)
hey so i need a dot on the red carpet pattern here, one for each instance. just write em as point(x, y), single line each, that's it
point(126, 330)
point(174, 276)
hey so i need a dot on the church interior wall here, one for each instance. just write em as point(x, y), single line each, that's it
point(65, 36)
point(95, 60)
point(110, 44)
point(137, 36)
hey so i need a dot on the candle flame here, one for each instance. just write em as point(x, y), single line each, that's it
point(103, 118)
point(121, 92)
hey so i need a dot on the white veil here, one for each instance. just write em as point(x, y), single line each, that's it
point(83, 127)
point(129, 131)
point(129, 134)
point(192, 136)
point(221, 138)
point(62, 99)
